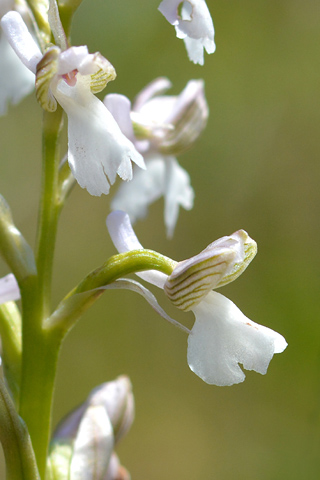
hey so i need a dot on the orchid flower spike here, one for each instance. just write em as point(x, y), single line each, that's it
point(9, 289)
point(161, 127)
point(16, 81)
point(97, 149)
point(193, 24)
point(222, 336)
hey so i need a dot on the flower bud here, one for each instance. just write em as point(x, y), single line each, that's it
point(9, 289)
point(82, 445)
point(118, 401)
point(218, 264)
point(116, 471)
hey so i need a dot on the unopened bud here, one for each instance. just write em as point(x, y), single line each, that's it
point(116, 471)
point(9, 289)
point(220, 263)
point(117, 398)
point(82, 445)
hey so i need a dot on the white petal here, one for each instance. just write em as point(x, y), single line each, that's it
point(193, 92)
point(195, 49)
point(71, 59)
point(16, 81)
point(163, 176)
point(145, 188)
point(97, 147)
point(9, 289)
point(125, 240)
point(169, 8)
point(196, 21)
point(156, 87)
point(93, 445)
point(122, 233)
point(167, 109)
point(21, 40)
point(120, 107)
point(157, 113)
point(178, 191)
point(222, 337)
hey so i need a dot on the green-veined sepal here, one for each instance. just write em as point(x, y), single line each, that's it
point(46, 70)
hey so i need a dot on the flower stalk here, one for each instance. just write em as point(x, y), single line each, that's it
point(40, 351)
point(91, 288)
point(49, 208)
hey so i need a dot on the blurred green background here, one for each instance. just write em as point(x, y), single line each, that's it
point(256, 167)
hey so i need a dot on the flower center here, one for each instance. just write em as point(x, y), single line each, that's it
point(71, 77)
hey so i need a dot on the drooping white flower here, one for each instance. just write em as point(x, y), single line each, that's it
point(97, 149)
point(160, 126)
point(193, 23)
point(222, 336)
point(16, 81)
point(9, 289)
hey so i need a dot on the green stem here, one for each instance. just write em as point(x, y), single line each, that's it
point(40, 350)
point(49, 208)
point(37, 388)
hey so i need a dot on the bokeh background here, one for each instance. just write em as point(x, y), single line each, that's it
point(256, 167)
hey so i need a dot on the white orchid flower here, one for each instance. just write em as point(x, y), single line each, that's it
point(97, 149)
point(16, 81)
point(161, 126)
point(222, 336)
point(193, 23)
point(9, 289)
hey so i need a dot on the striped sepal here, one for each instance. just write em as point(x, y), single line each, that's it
point(218, 264)
point(249, 252)
point(46, 70)
point(193, 279)
point(105, 73)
